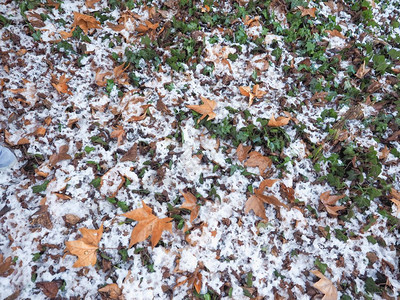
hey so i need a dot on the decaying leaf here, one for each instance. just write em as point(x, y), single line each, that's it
point(242, 152)
point(49, 288)
point(131, 155)
point(61, 85)
point(61, 155)
point(148, 224)
point(206, 109)
point(267, 183)
point(42, 217)
point(329, 202)
point(256, 205)
point(190, 204)
point(113, 291)
point(85, 22)
point(118, 133)
point(307, 11)
point(91, 3)
point(256, 93)
point(362, 71)
point(85, 248)
point(325, 286)
point(335, 33)
point(278, 122)
point(195, 280)
point(396, 200)
point(256, 159)
point(5, 266)
point(120, 76)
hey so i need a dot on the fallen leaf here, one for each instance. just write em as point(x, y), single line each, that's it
point(61, 155)
point(131, 155)
point(113, 291)
point(242, 152)
point(362, 71)
point(271, 200)
point(395, 200)
point(325, 286)
point(42, 217)
point(206, 109)
point(91, 3)
point(99, 78)
point(85, 22)
point(148, 224)
point(190, 204)
point(195, 280)
point(49, 288)
point(329, 201)
point(5, 266)
point(335, 33)
point(256, 205)
point(384, 153)
point(85, 248)
point(142, 116)
point(120, 75)
point(280, 121)
point(267, 183)
point(118, 133)
point(72, 219)
point(307, 11)
point(256, 93)
point(256, 159)
point(61, 86)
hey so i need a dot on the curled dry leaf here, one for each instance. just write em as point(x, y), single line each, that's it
point(242, 152)
point(85, 248)
point(113, 291)
point(85, 22)
point(256, 93)
point(206, 109)
point(307, 11)
point(190, 204)
point(329, 202)
point(362, 71)
point(120, 76)
point(61, 85)
point(195, 280)
point(61, 155)
point(325, 286)
point(256, 159)
point(148, 224)
point(280, 121)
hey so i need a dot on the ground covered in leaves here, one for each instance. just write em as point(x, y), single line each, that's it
point(197, 149)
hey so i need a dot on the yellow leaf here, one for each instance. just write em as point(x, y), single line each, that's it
point(206, 109)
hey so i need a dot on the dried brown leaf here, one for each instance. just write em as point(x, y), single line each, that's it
point(329, 202)
point(118, 133)
point(131, 155)
point(242, 152)
point(256, 159)
point(49, 288)
point(307, 11)
point(280, 121)
point(256, 205)
point(362, 71)
point(325, 286)
point(206, 109)
point(5, 266)
point(91, 3)
point(190, 204)
point(113, 291)
point(61, 85)
point(61, 155)
point(85, 22)
point(335, 33)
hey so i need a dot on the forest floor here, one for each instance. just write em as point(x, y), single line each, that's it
point(188, 149)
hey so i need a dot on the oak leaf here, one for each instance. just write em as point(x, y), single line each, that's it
point(148, 224)
point(5, 266)
point(362, 71)
point(280, 121)
point(61, 155)
point(61, 86)
point(325, 286)
point(86, 247)
point(85, 22)
point(256, 159)
point(242, 152)
point(256, 93)
point(307, 11)
point(329, 202)
point(113, 291)
point(190, 204)
point(206, 109)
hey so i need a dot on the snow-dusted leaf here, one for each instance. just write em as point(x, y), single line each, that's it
point(61, 84)
point(242, 152)
point(85, 22)
point(190, 204)
point(325, 286)
point(256, 159)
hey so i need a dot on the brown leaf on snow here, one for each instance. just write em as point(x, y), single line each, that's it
point(61, 85)
point(120, 76)
point(267, 183)
point(256, 205)
point(256, 93)
point(148, 224)
point(85, 22)
point(195, 280)
point(5, 266)
point(99, 78)
point(307, 11)
point(49, 288)
point(384, 153)
point(113, 291)
point(256, 159)
point(329, 202)
point(271, 200)
point(190, 204)
point(85, 248)
point(206, 109)
point(118, 133)
point(280, 121)
point(325, 286)
point(396, 199)
point(61, 155)
point(362, 71)
point(142, 116)
point(42, 217)
point(131, 155)
point(91, 3)
point(242, 152)
point(335, 33)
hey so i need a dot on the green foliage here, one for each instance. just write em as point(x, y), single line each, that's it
point(40, 188)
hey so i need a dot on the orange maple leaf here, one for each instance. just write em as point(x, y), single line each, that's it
point(307, 11)
point(256, 159)
point(85, 22)
point(325, 286)
point(206, 109)
point(246, 91)
point(148, 224)
point(329, 202)
point(85, 248)
point(61, 86)
point(280, 121)
point(190, 204)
